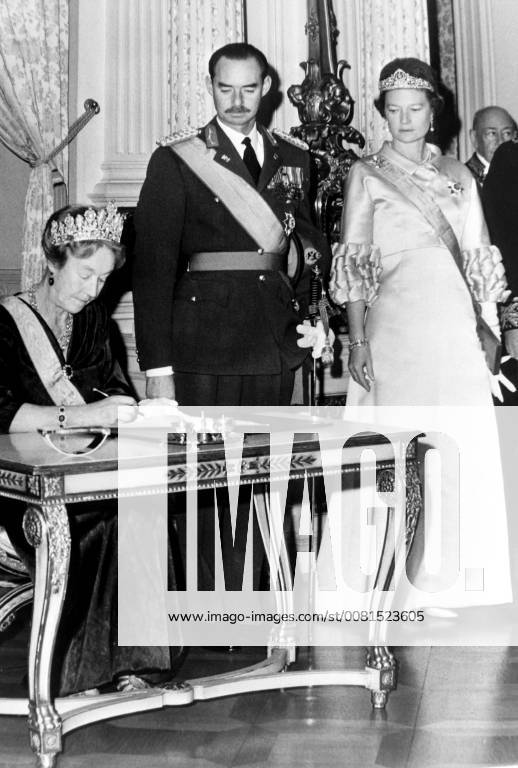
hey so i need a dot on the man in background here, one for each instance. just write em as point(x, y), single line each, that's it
point(491, 127)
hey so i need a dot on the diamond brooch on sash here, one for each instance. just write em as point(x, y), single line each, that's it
point(455, 188)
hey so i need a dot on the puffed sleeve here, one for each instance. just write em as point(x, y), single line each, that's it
point(356, 266)
point(482, 261)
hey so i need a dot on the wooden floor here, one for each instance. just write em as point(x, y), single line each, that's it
point(454, 707)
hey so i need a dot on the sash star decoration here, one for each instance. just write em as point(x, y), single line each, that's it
point(455, 187)
point(103, 224)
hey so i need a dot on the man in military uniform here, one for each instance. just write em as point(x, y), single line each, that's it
point(491, 127)
point(218, 211)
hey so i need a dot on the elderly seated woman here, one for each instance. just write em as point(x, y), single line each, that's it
point(58, 325)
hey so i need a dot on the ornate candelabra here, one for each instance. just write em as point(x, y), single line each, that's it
point(326, 110)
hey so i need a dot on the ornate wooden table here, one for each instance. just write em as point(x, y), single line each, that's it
point(50, 484)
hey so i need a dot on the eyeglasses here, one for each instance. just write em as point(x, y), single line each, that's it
point(76, 441)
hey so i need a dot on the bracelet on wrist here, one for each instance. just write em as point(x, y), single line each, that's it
point(62, 417)
point(358, 343)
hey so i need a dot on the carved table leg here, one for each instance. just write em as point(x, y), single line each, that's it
point(278, 561)
point(381, 659)
point(414, 501)
point(47, 530)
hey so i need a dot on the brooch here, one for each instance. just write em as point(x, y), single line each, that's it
point(455, 188)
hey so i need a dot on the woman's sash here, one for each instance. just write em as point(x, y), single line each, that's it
point(245, 204)
point(433, 214)
point(43, 355)
point(422, 201)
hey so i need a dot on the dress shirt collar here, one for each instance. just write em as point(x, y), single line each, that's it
point(237, 140)
point(410, 166)
point(484, 162)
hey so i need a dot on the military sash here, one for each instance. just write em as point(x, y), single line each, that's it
point(244, 202)
point(43, 355)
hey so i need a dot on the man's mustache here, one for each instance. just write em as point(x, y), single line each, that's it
point(237, 111)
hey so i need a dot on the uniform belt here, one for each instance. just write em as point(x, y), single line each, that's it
point(236, 260)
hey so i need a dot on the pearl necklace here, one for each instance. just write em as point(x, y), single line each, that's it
point(64, 339)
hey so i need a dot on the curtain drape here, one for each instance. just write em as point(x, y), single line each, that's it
point(34, 107)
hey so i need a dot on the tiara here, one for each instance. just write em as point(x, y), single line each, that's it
point(401, 79)
point(103, 224)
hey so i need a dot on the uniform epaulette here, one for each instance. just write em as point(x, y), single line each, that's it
point(177, 136)
point(290, 139)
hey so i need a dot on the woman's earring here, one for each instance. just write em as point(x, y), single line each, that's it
point(51, 279)
point(432, 124)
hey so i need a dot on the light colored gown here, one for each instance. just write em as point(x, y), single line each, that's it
point(420, 320)
point(426, 355)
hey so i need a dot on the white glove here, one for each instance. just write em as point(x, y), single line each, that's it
point(497, 382)
point(314, 336)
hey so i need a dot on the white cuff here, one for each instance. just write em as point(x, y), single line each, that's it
point(165, 370)
point(490, 315)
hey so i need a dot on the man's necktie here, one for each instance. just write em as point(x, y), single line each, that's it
point(250, 160)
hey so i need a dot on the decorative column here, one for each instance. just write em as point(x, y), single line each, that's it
point(136, 94)
point(156, 61)
point(474, 55)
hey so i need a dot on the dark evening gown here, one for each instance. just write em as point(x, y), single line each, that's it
point(87, 654)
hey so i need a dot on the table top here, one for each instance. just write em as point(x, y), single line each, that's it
point(30, 466)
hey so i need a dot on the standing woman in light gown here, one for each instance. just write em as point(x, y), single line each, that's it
point(412, 322)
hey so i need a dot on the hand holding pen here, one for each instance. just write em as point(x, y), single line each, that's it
point(114, 408)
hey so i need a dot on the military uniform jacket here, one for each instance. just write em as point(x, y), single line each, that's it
point(221, 322)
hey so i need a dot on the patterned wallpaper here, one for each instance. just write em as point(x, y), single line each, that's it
point(446, 44)
point(442, 48)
